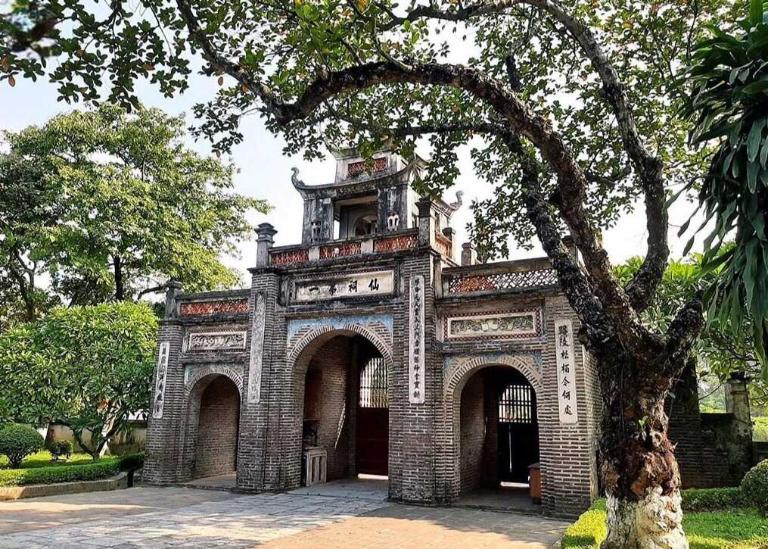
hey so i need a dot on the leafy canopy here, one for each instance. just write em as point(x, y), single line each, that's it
point(729, 104)
point(118, 205)
point(85, 367)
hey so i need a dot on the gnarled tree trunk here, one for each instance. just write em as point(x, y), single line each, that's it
point(639, 469)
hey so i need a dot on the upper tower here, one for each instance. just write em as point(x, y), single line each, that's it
point(366, 198)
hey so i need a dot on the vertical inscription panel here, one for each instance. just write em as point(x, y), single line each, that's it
point(566, 375)
point(162, 370)
point(416, 341)
point(257, 350)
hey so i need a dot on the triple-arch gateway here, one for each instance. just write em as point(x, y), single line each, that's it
point(369, 350)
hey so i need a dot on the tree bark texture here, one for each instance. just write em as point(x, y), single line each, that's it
point(639, 469)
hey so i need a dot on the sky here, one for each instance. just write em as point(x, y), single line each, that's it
point(265, 172)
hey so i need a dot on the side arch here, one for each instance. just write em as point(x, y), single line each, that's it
point(456, 372)
point(199, 373)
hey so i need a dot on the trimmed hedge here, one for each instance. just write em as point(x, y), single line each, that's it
point(712, 499)
point(50, 475)
point(131, 462)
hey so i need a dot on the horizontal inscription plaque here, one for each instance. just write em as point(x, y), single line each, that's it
point(345, 286)
point(494, 325)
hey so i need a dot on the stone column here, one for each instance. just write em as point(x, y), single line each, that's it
point(468, 254)
point(264, 242)
point(426, 223)
point(737, 403)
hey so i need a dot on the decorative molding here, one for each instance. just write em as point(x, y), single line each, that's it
point(396, 243)
point(494, 325)
point(208, 308)
point(566, 371)
point(375, 328)
point(416, 377)
point(457, 369)
point(491, 282)
point(289, 257)
point(344, 286)
point(257, 350)
point(194, 373)
point(162, 371)
point(360, 167)
point(216, 341)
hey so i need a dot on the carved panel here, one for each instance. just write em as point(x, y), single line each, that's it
point(501, 281)
point(340, 250)
point(494, 325)
point(443, 245)
point(162, 371)
point(416, 378)
point(207, 308)
point(566, 371)
point(216, 341)
point(396, 243)
point(257, 350)
point(289, 257)
point(345, 286)
point(356, 168)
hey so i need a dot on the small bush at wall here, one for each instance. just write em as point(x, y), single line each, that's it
point(711, 499)
point(60, 449)
point(18, 441)
point(755, 486)
point(50, 475)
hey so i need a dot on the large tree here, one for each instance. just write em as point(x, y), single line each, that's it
point(110, 205)
point(571, 108)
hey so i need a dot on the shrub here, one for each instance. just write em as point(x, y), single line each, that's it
point(712, 499)
point(589, 530)
point(18, 441)
point(59, 449)
point(53, 474)
point(131, 462)
point(755, 486)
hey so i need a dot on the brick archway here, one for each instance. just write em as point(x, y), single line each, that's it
point(300, 351)
point(220, 413)
point(456, 372)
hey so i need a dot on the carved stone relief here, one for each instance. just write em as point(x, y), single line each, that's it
point(216, 341)
point(257, 350)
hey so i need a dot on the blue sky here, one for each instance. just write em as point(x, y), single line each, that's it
point(264, 171)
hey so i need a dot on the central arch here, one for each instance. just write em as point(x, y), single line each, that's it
point(341, 382)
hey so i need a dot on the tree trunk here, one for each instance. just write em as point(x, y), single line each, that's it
point(639, 469)
point(119, 289)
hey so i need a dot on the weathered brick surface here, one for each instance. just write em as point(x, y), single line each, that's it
point(216, 440)
point(433, 454)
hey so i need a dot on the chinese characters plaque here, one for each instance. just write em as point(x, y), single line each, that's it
point(344, 286)
point(566, 375)
point(162, 369)
point(416, 342)
point(257, 350)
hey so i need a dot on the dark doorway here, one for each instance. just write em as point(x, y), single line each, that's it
point(373, 419)
point(518, 432)
point(217, 429)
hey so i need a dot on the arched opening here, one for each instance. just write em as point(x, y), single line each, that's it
point(346, 409)
point(216, 432)
point(498, 436)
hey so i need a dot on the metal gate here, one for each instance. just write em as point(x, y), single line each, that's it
point(372, 446)
point(518, 433)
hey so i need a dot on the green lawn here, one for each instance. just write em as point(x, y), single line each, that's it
point(43, 459)
point(731, 529)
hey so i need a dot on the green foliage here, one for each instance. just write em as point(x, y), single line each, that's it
point(59, 449)
point(118, 206)
point(44, 458)
point(728, 105)
point(734, 528)
point(712, 499)
point(760, 429)
point(17, 441)
point(66, 473)
point(84, 367)
point(755, 486)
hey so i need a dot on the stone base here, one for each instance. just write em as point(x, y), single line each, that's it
point(9, 493)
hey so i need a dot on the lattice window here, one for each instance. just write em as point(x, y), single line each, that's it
point(516, 404)
point(501, 281)
point(374, 386)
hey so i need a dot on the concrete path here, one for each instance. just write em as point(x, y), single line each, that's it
point(187, 517)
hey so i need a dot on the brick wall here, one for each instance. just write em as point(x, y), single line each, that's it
point(326, 403)
point(472, 433)
point(216, 441)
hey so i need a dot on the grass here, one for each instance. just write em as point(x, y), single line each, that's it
point(43, 459)
point(725, 529)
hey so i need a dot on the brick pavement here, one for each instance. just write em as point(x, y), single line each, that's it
point(205, 518)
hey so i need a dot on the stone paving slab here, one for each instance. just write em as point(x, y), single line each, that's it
point(186, 517)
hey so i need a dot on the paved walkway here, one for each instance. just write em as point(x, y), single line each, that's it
point(187, 517)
